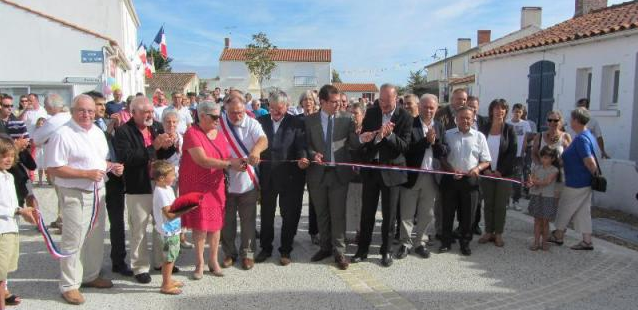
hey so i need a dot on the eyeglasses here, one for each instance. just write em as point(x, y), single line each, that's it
point(8, 106)
point(84, 111)
point(214, 117)
point(553, 120)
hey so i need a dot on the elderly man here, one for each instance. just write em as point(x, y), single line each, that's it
point(331, 136)
point(446, 115)
point(185, 117)
point(468, 155)
point(77, 156)
point(116, 105)
point(279, 178)
point(418, 195)
point(32, 113)
point(391, 126)
point(138, 142)
point(246, 139)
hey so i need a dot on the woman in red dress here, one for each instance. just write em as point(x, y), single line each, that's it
point(205, 156)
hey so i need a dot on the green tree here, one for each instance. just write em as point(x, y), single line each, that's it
point(161, 64)
point(335, 77)
point(259, 58)
point(417, 82)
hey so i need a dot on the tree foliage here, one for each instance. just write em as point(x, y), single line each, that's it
point(335, 77)
point(417, 83)
point(259, 58)
point(161, 64)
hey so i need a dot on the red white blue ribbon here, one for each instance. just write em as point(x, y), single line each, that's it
point(53, 249)
point(238, 148)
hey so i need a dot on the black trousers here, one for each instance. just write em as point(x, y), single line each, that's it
point(290, 200)
point(477, 214)
point(459, 197)
point(373, 186)
point(115, 207)
point(313, 228)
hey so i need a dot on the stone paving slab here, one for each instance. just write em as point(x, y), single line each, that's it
point(492, 278)
point(617, 229)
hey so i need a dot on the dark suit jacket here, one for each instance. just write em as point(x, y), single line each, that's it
point(445, 117)
point(481, 121)
point(506, 150)
point(288, 143)
point(344, 139)
point(419, 144)
point(391, 149)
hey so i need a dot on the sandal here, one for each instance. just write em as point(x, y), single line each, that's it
point(583, 246)
point(12, 300)
point(534, 247)
point(171, 291)
point(552, 238)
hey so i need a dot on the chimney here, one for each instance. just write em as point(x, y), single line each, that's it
point(584, 7)
point(463, 44)
point(226, 42)
point(531, 16)
point(483, 37)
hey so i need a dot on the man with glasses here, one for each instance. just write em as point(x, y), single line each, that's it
point(137, 143)
point(76, 155)
point(6, 110)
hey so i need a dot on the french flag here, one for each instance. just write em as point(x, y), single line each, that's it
point(160, 39)
point(141, 53)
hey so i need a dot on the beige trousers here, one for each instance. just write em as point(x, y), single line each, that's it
point(140, 215)
point(575, 206)
point(85, 264)
point(419, 199)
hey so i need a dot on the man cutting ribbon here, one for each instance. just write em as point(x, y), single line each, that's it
point(77, 156)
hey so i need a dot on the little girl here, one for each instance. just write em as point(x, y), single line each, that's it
point(39, 154)
point(542, 204)
point(9, 244)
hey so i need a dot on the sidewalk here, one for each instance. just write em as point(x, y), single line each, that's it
point(492, 278)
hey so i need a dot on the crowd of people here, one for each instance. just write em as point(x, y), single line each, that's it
point(140, 156)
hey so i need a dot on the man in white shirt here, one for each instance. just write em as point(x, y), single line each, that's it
point(246, 140)
point(76, 155)
point(32, 113)
point(185, 117)
point(468, 155)
point(159, 108)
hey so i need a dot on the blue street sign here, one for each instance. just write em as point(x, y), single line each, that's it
point(92, 56)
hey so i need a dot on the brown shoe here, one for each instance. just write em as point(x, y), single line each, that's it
point(342, 262)
point(228, 261)
point(247, 263)
point(73, 297)
point(498, 241)
point(99, 283)
point(285, 260)
point(487, 237)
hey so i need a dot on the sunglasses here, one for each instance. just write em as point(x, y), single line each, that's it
point(8, 106)
point(213, 117)
point(552, 120)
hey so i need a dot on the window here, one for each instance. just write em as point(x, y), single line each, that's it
point(583, 83)
point(609, 94)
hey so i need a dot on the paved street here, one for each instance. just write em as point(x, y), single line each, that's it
point(492, 278)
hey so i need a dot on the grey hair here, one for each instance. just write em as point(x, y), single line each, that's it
point(207, 107)
point(138, 102)
point(80, 97)
point(306, 94)
point(56, 101)
point(388, 85)
point(278, 96)
point(581, 115)
point(429, 97)
point(169, 112)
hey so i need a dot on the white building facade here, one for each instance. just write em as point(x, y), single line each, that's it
point(59, 48)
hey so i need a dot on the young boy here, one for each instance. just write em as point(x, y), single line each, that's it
point(521, 128)
point(167, 223)
point(9, 243)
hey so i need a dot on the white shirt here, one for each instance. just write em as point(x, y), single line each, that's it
point(275, 125)
point(494, 143)
point(157, 112)
point(521, 128)
point(249, 131)
point(32, 116)
point(162, 197)
point(77, 148)
point(175, 159)
point(324, 126)
point(185, 118)
point(466, 150)
point(42, 134)
point(428, 157)
point(8, 204)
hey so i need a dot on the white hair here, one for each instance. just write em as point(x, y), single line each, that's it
point(138, 102)
point(207, 107)
point(432, 97)
point(169, 112)
point(79, 98)
point(56, 102)
point(277, 97)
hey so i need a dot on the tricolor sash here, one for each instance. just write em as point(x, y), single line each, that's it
point(239, 150)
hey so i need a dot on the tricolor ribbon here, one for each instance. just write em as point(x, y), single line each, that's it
point(402, 168)
point(53, 249)
point(238, 148)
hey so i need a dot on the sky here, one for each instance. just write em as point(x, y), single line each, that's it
point(371, 40)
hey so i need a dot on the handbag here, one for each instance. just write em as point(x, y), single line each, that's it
point(598, 181)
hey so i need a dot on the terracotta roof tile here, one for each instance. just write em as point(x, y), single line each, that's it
point(170, 82)
point(608, 20)
point(281, 54)
point(462, 80)
point(356, 87)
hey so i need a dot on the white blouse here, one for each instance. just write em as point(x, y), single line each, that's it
point(494, 143)
point(8, 204)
